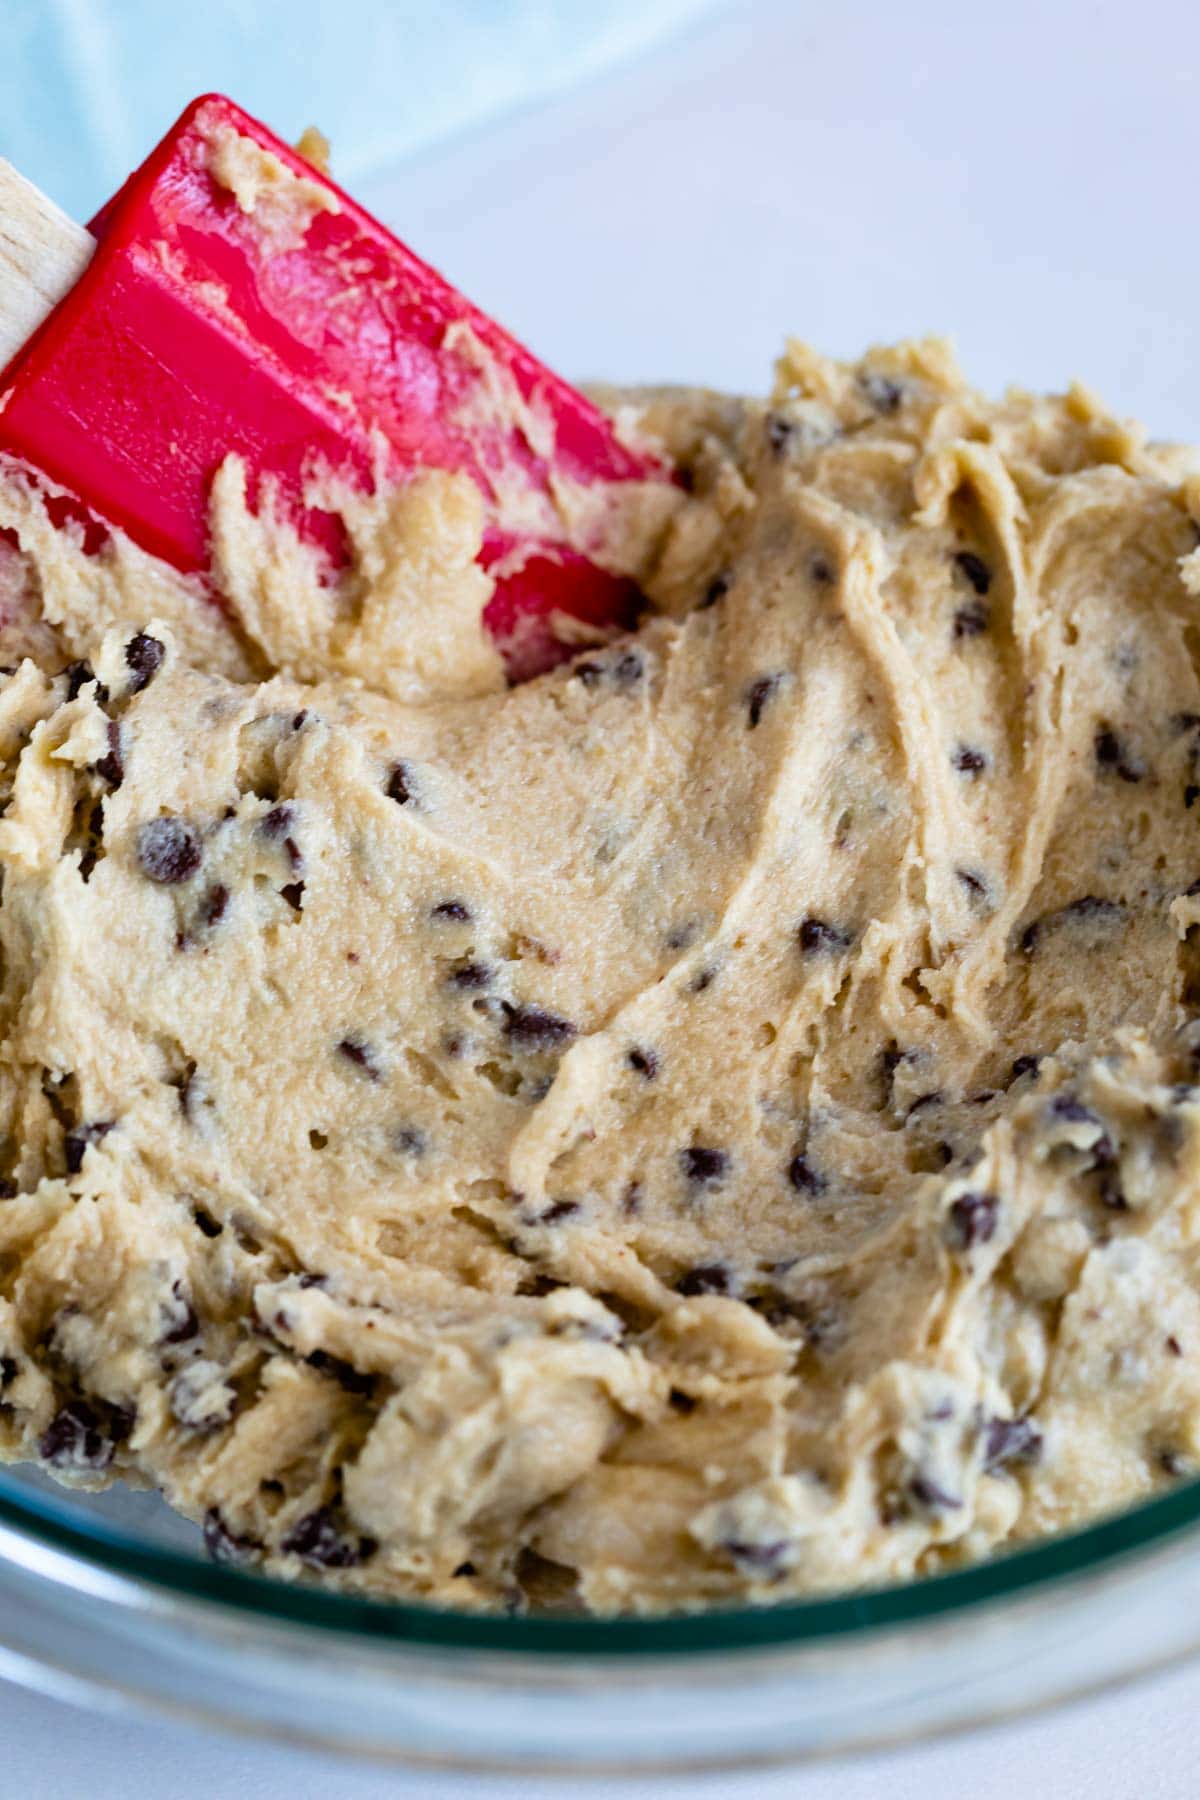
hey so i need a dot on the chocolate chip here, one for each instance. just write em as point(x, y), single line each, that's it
point(758, 1559)
point(758, 696)
point(703, 978)
point(361, 1055)
point(1071, 1108)
point(780, 432)
point(927, 1493)
point(1112, 754)
point(975, 884)
point(703, 1166)
point(532, 1028)
point(803, 1177)
point(716, 590)
point(77, 1141)
point(215, 904)
point(315, 1539)
point(399, 784)
point(278, 822)
point(224, 1545)
point(884, 394)
point(818, 937)
point(451, 910)
point(111, 766)
point(293, 893)
point(558, 1212)
point(590, 673)
point(972, 1220)
point(143, 658)
point(972, 620)
point(975, 570)
point(1011, 1441)
point(821, 571)
point(182, 1320)
point(706, 1278)
point(1029, 1064)
point(206, 1224)
point(169, 850)
point(680, 1402)
point(84, 1435)
point(471, 975)
point(1191, 794)
point(9, 1370)
point(1174, 1347)
point(354, 1381)
point(969, 761)
point(645, 1062)
point(78, 675)
point(464, 1571)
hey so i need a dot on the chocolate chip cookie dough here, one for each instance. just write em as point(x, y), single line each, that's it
point(717, 1121)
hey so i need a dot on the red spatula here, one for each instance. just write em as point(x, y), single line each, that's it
point(236, 305)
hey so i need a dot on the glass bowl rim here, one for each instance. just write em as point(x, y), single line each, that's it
point(927, 1600)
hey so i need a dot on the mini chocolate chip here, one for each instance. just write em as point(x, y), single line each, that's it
point(933, 1098)
point(532, 1028)
point(706, 1278)
point(1029, 1064)
point(558, 1212)
point(1191, 794)
point(680, 1402)
point(215, 904)
point(301, 719)
point(77, 1141)
point(645, 1062)
point(360, 1054)
point(1112, 754)
point(1173, 1345)
point(972, 1220)
point(408, 1140)
point(471, 975)
point(703, 978)
point(84, 1435)
point(399, 784)
point(293, 893)
point(716, 590)
point(1109, 1190)
point(975, 570)
point(316, 1539)
point(111, 766)
point(452, 910)
point(758, 696)
point(884, 394)
point(206, 1224)
point(1070, 1107)
point(972, 620)
point(703, 1166)
point(975, 885)
point(8, 1188)
point(354, 1381)
point(817, 937)
point(758, 1559)
point(224, 1545)
point(780, 432)
point(78, 675)
point(1172, 1463)
point(169, 850)
point(969, 761)
point(926, 1492)
point(590, 673)
point(1011, 1441)
point(143, 658)
point(628, 669)
point(184, 1323)
point(278, 822)
point(803, 1177)
point(821, 571)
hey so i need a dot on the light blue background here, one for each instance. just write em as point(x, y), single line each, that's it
point(88, 86)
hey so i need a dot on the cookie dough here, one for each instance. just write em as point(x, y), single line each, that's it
point(716, 1122)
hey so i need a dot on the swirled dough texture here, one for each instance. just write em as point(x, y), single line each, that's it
point(719, 1120)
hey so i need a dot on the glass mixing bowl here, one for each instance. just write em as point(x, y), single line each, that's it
point(110, 1600)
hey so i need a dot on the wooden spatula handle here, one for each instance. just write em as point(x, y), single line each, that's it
point(42, 255)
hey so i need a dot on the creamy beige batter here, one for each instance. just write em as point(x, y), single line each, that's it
point(717, 1121)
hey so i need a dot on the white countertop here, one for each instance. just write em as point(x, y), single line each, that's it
point(851, 173)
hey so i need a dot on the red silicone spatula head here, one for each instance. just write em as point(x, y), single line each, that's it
point(241, 313)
